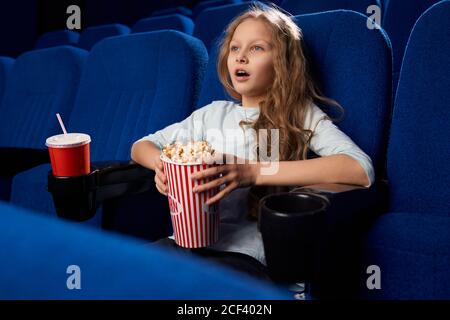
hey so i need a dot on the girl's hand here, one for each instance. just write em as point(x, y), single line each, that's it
point(160, 178)
point(234, 175)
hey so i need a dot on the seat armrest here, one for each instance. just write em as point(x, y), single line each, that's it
point(16, 160)
point(117, 179)
point(351, 204)
point(334, 234)
point(77, 198)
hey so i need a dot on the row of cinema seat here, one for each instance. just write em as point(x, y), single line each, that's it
point(178, 18)
point(397, 20)
point(119, 100)
point(42, 259)
point(96, 100)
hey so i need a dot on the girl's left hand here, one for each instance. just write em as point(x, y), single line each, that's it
point(235, 175)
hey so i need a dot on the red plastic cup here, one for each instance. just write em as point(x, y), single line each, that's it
point(195, 224)
point(69, 154)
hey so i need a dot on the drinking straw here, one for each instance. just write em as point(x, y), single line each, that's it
point(61, 123)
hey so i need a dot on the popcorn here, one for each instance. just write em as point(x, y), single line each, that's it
point(193, 152)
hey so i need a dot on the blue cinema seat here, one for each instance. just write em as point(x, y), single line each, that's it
point(211, 22)
point(296, 7)
point(173, 21)
point(91, 35)
point(42, 83)
point(37, 252)
point(353, 65)
point(6, 65)
point(398, 21)
point(365, 95)
point(132, 85)
point(174, 10)
point(211, 4)
point(411, 243)
point(57, 38)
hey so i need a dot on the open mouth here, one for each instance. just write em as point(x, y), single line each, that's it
point(241, 74)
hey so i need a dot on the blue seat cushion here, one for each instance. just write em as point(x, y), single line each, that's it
point(413, 253)
point(40, 250)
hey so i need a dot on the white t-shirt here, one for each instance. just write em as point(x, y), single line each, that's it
point(218, 123)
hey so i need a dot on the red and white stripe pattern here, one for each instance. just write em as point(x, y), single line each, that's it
point(195, 224)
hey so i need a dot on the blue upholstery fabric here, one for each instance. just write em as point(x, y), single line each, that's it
point(296, 7)
point(132, 85)
point(57, 38)
point(176, 10)
point(210, 23)
point(413, 253)
point(30, 191)
point(5, 188)
point(42, 83)
point(6, 65)
point(173, 21)
point(92, 35)
point(37, 251)
point(411, 245)
point(398, 21)
point(212, 89)
point(360, 84)
point(211, 4)
point(418, 152)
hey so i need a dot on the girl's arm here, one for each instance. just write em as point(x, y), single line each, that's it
point(146, 153)
point(330, 169)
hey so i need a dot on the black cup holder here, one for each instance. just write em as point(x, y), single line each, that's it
point(77, 198)
point(291, 225)
point(74, 197)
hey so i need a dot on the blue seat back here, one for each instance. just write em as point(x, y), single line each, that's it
point(42, 83)
point(172, 21)
point(174, 10)
point(211, 23)
point(42, 256)
point(296, 7)
point(419, 153)
point(398, 21)
point(134, 85)
point(6, 65)
point(92, 35)
point(211, 4)
point(360, 84)
point(57, 38)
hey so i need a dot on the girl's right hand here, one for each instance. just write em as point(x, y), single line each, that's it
point(160, 178)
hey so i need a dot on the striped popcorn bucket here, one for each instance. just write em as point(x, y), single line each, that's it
point(195, 224)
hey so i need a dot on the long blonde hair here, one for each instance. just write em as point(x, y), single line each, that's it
point(292, 90)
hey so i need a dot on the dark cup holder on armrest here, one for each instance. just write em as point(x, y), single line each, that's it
point(290, 234)
point(349, 215)
point(290, 224)
point(16, 160)
point(77, 198)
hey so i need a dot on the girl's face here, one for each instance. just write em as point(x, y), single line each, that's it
point(250, 59)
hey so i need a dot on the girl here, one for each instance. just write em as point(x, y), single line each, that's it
point(261, 64)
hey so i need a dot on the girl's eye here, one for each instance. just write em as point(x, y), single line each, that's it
point(234, 48)
point(258, 48)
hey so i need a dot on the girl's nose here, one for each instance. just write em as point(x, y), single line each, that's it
point(241, 59)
